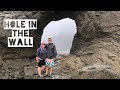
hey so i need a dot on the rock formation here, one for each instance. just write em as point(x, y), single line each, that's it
point(97, 39)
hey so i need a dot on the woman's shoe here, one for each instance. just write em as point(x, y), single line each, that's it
point(41, 76)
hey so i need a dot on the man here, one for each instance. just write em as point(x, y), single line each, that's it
point(51, 54)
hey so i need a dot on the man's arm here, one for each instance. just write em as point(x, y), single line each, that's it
point(46, 51)
point(55, 51)
point(47, 48)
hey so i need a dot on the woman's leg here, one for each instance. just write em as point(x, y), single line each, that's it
point(39, 71)
point(42, 68)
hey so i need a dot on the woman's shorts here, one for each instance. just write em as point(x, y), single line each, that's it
point(49, 62)
point(41, 63)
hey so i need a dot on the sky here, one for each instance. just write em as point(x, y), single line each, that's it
point(62, 32)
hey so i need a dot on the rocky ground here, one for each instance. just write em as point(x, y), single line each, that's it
point(66, 67)
point(27, 69)
point(87, 66)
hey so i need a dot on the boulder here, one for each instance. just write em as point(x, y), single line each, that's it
point(95, 72)
point(71, 63)
point(30, 70)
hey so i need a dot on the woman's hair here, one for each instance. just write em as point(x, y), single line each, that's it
point(44, 44)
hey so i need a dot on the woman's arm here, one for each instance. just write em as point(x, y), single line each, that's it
point(37, 59)
point(37, 55)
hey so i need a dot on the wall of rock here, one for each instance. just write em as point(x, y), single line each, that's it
point(43, 17)
point(97, 39)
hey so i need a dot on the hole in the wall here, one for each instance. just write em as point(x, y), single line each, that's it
point(62, 32)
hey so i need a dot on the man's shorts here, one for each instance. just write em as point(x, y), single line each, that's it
point(49, 62)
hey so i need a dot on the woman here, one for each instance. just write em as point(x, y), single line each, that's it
point(40, 57)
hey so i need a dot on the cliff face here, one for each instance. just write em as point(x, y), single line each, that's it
point(97, 39)
point(10, 53)
point(43, 17)
point(94, 27)
point(96, 42)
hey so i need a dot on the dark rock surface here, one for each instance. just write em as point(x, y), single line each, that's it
point(97, 41)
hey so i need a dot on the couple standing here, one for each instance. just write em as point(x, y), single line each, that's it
point(45, 57)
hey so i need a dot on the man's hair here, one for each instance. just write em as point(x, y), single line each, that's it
point(49, 38)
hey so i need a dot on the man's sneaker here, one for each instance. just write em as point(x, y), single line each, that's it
point(50, 75)
point(45, 75)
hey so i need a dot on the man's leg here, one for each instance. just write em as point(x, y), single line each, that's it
point(46, 70)
point(50, 71)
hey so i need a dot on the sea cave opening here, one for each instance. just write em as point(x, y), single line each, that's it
point(62, 33)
